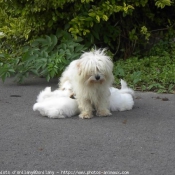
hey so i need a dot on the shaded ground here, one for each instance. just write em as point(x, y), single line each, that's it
point(138, 142)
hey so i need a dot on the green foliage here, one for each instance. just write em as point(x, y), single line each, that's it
point(151, 73)
point(163, 3)
point(97, 13)
point(46, 57)
point(124, 26)
point(128, 28)
point(27, 18)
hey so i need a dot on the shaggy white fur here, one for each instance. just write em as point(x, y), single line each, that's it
point(90, 77)
point(57, 107)
point(58, 104)
point(121, 99)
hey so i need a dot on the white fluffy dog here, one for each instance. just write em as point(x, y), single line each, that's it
point(90, 77)
point(56, 104)
point(121, 99)
point(65, 91)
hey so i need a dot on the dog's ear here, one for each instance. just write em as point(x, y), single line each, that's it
point(79, 67)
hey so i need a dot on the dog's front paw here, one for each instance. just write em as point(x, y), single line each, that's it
point(85, 115)
point(103, 113)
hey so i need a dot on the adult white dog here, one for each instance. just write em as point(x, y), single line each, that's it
point(91, 77)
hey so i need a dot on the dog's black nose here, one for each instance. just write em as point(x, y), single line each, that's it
point(97, 77)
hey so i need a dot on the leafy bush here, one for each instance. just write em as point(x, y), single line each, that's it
point(29, 41)
point(151, 73)
point(123, 26)
point(46, 57)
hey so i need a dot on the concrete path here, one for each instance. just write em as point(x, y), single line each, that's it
point(136, 142)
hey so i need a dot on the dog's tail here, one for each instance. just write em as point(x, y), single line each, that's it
point(125, 89)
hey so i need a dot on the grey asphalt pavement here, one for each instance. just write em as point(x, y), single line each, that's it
point(136, 142)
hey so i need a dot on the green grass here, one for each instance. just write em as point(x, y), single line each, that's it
point(151, 73)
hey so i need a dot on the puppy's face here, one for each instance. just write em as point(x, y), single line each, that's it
point(94, 69)
point(67, 88)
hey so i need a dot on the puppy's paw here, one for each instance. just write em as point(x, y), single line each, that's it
point(85, 115)
point(103, 113)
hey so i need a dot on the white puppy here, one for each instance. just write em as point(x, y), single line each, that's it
point(65, 91)
point(56, 104)
point(121, 99)
point(90, 77)
point(55, 107)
